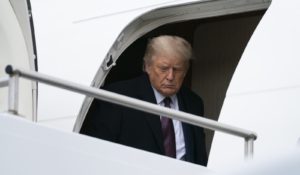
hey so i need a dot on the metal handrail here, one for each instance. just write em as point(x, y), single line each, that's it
point(4, 82)
point(111, 97)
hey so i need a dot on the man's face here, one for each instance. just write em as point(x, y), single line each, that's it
point(166, 74)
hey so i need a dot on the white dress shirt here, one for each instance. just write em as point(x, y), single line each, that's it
point(179, 136)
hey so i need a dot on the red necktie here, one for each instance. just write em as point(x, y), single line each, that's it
point(168, 132)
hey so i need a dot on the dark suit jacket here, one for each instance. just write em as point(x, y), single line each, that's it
point(143, 130)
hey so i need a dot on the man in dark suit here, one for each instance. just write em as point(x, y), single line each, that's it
point(166, 62)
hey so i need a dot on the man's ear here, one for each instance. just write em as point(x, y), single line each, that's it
point(146, 68)
point(147, 64)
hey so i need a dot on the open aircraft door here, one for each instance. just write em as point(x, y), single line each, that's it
point(218, 31)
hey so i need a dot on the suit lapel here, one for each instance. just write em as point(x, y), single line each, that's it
point(146, 93)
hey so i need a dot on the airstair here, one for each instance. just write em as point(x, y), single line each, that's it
point(37, 149)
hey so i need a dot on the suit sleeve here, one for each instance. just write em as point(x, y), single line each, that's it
point(103, 121)
point(202, 159)
point(195, 106)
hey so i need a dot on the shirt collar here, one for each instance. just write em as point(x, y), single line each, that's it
point(159, 97)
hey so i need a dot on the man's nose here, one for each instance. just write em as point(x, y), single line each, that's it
point(170, 75)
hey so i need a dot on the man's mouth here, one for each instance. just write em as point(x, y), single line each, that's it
point(169, 86)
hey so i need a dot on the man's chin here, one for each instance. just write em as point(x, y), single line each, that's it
point(168, 92)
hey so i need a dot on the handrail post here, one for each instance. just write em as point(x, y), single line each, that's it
point(249, 147)
point(13, 93)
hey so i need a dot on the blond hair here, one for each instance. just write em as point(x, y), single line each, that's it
point(168, 45)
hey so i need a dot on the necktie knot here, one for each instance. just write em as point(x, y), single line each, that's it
point(167, 102)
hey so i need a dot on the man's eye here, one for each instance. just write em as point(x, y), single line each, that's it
point(164, 69)
point(178, 69)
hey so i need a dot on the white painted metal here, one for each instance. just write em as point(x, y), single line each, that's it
point(249, 148)
point(23, 15)
point(13, 94)
point(32, 149)
point(278, 164)
point(3, 90)
point(15, 49)
point(264, 94)
point(4, 82)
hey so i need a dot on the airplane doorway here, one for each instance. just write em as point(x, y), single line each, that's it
point(218, 44)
